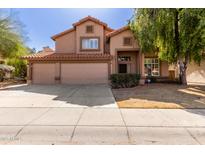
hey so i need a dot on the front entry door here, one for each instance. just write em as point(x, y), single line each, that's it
point(122, 68)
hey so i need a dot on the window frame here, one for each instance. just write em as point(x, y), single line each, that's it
point(125, 57)
point(91, 49)
point(127, 44)
point(152, 64)
point(86, 29)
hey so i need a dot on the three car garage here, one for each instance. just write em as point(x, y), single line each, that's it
point(70, 73)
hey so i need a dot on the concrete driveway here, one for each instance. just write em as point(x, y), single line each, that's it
point(57, 115)
point(57, 96)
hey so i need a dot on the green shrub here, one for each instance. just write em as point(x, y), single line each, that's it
point(124, 80)
point(20, 67)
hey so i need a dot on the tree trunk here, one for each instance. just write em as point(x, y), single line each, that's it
point(182, 72)
point(176, 32)
point(182, 65)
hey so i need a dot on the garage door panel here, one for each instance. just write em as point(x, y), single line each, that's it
point(84, 73)
point(43, 73)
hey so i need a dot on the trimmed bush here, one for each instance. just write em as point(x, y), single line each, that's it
point(124, 80)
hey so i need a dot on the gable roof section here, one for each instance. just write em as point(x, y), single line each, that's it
point(115, 32)
point(91, 19)
point(62, 33)
point(80, 22)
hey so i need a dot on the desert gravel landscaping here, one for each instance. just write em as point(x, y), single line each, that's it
point(164, 96)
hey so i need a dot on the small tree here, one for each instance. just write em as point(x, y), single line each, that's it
point(19, 64)
point(10, 35)
point(176, 35)
point(12, 46)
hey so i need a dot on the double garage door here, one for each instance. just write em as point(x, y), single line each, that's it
point(70, 73)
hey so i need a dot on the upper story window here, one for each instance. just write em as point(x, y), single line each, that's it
point(127, 41)
point(89, 29)
point(90, 43)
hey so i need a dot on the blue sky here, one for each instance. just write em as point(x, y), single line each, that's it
point(41, 24)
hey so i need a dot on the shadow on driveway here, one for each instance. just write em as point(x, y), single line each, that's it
point(83, 95)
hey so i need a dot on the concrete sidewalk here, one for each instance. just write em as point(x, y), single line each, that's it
point(54, 125)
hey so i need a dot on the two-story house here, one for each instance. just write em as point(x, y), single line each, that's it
point(88, 53)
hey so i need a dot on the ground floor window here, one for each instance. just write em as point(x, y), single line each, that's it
point(151, 67)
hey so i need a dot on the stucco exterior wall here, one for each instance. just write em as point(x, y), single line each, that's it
point(196, 73)
point(66, 43)
point(116, 43)
point(98, 32)
point(164, 69)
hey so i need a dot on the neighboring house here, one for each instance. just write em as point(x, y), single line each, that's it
point(88, 53)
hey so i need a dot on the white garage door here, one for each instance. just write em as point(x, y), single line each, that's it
point(43, 74)
point(84, 73)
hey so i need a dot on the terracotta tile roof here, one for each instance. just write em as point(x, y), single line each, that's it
point(67, 56)
point(80, 22)
point(109, 29)
point(38, 55)
point(89, 18)
point(115, 32)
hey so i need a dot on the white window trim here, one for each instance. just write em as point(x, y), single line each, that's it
point(89, 44)
point(152, 64)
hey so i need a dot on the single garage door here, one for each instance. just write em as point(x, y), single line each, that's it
point(43, 74)
point(84, 73)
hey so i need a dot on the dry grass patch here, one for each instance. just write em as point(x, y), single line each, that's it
point(161, 96)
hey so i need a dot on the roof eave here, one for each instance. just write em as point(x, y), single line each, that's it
point(68, 59)
point(54, 37)
point(118, 31)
